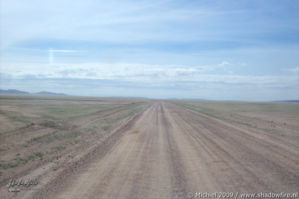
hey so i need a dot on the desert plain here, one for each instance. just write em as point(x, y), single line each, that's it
point(109, 148)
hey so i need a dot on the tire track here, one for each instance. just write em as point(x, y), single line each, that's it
point(169, 151)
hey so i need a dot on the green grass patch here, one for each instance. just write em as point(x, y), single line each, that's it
point(69, 110)
point(55, 135)
point(20, 161)
point(58, 148)
point(39, 154)
point(18, 117)
point(92, 130)
point(106, 127)
point(76, 141)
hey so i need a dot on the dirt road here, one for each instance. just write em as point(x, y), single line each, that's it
point(172, 152)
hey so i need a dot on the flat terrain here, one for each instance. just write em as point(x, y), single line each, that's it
point(148, 149)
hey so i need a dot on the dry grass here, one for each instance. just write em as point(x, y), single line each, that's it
point(38, 128)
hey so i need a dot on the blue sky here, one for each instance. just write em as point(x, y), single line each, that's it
point(220, 50)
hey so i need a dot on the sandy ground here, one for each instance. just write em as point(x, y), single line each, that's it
point(168, 151)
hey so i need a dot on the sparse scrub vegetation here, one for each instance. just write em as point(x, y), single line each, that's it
point(55, 135)
point(17, 161)
point(64, 111)
point(57, 149)
point(252, 115)
point(106, 127)
point(42, 128)
point(16, 116)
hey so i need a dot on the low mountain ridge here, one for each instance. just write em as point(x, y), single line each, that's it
point(18, 92)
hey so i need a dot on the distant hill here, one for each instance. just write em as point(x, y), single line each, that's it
point(13, 91)
point(18, 92)
point(48, 93)
point(290, 101)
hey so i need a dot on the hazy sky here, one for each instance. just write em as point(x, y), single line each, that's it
point(231, 50)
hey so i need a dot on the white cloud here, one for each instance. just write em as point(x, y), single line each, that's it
point(224, 63)
point(126, 71)
point(63, 51)
point(294, 70)
point(142, 73)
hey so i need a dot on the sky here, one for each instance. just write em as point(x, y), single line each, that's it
point(198, 49)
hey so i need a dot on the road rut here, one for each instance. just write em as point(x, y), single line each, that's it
point(171, 152)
